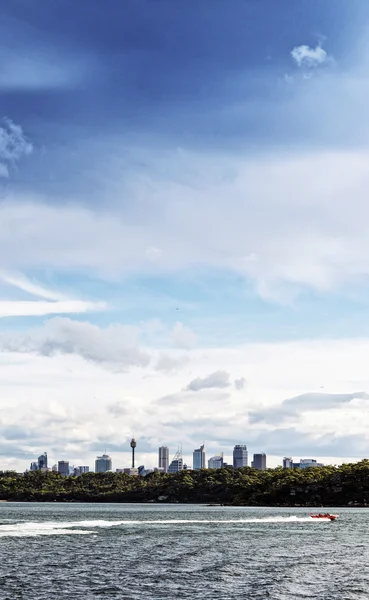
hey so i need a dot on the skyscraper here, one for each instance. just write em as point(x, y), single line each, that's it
point(176, 465)
point(287, 463)
point(80, 470)
point(42, 461)
point(177, 462)
point(199, 458)
point(215, 462)
point(163, 458)
point(259, 462)
point(103, 464)
point(240, 456)
point(63, 467)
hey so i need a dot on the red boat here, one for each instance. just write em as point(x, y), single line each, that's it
point(324, 516)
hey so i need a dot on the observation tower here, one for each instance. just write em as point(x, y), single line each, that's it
point(133, 446)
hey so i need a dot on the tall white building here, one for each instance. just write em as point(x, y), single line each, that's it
point(287, 463)
point(215, 462)
point(103, 464)
point(240, 456)
point(199, 458)
point(164, 458)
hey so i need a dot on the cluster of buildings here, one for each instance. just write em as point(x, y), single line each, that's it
point(62, 466)
point(103, 463)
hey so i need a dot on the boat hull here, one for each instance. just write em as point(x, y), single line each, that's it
point(326, 516)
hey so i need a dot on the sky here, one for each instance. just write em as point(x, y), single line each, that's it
point(184, 249)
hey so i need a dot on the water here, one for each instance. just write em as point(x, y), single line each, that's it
point(157, 552)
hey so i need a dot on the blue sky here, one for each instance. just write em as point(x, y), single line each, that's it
point(182, 177)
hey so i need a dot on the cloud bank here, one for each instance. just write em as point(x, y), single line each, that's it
point(312, 402)
point(115, 347)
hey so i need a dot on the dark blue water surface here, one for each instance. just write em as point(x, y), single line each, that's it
point(160, 552)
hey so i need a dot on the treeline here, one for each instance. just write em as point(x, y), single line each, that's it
point(346, 485)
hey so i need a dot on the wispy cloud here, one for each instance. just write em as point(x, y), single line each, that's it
point(23, 283)
point(59, 303)
point(13, 146)
point(19, 308)
point(35, 72)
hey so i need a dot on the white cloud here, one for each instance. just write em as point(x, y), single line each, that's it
point(304, 403)
point(115, 347)
point(13, 146)
point(59, 302)
point(183, 337)
point(304, 56)
point(218, 379)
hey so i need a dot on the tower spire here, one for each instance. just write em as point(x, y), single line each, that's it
point(133, 446)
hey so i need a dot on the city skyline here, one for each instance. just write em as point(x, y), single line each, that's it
point(177, 463)
point(122, 460)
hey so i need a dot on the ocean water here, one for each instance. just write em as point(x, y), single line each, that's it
point(163, 552)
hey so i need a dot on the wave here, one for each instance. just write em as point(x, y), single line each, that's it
point(29, 529)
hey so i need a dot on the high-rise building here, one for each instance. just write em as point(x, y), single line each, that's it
point(80, 470)
point(176, 465)
point(240, 456)
point(287, 463)
point(63, 467)
point(103, 464)
point(163, 458)
point(42, 461)
point(199, 458)
point(34, 466)
point(259, 462)
point(215, 462)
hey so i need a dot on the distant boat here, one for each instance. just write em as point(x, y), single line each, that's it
point(324, 516)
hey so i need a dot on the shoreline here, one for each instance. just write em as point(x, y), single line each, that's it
point(178, 503)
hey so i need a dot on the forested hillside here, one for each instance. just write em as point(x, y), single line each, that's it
point(329, 486)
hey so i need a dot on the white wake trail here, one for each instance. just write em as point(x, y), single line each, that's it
point(29, 529)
